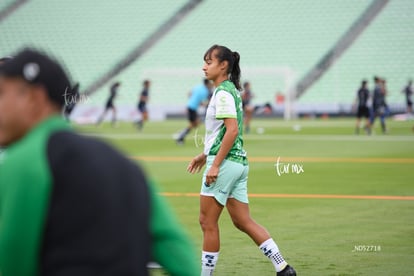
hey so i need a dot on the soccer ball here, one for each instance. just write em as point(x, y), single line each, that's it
point(260, 130)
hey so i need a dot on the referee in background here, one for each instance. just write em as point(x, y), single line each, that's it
point(71, 205)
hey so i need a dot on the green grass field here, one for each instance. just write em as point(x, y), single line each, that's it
point(318, 236)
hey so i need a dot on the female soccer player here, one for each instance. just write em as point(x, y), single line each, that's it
point(225, 178)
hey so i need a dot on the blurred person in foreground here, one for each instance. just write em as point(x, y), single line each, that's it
point(198, 96)
point(362, 108)
point(71, 205)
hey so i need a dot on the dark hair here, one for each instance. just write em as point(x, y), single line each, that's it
point(206, 81)
point(233, 59)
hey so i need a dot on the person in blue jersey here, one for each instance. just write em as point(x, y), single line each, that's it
point(199, 96)
point(224, 183)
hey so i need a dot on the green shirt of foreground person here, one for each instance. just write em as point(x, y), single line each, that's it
point(71, 205)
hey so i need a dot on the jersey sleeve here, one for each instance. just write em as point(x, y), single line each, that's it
point(170, 246)
point(225, 105)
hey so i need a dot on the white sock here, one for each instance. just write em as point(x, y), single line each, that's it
point(208, 263)
point(270, 250)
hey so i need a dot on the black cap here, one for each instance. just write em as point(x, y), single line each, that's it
point(39, 69)
point(4, 59)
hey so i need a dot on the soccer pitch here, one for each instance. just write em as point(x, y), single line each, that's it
point(336, 203)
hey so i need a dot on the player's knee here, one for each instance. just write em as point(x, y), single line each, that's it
point(206, 224)
point(242, 225)
point(238, 226)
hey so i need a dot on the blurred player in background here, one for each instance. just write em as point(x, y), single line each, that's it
point(199, 95)
point(385, 93)
point(379, 106)
point(110, 104)
point(224, 181)
point(248, 109)
point(408, 91)
point(72, 205)
point(362, 108)
point(142, 104)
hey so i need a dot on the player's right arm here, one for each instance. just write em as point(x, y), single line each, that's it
point(197, 163)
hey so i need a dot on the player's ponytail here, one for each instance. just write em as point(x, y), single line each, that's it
point(235, 71)
point(223, 53)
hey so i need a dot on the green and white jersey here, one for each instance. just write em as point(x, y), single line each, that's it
point(225, 103)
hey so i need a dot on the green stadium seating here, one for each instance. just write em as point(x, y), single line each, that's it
point(273, 37)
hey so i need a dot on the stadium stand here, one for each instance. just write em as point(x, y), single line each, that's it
point(383, 49)
point(88, 35)
point(279, 42)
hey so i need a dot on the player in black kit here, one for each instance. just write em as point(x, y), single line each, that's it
point(142, 104)
point(363, 110)
point(110, 104)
